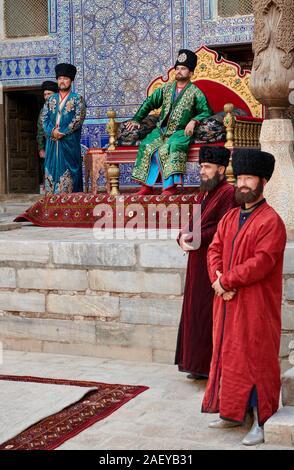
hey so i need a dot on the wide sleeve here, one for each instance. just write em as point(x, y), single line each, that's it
point(215, 252)
point(202, 109)
point(208, 230)
point(153, 101)
point(46, 120)
point(40, 133)
point(78, 118)
point(270, 243)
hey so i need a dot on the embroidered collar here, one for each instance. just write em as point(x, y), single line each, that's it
point(62, 100)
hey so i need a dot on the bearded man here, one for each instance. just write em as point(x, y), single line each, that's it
point(164, 151)
point(216, 196)
point(245, 265)
point(62, 120)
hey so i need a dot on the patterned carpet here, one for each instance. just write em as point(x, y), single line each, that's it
point(104, 211)
point(51, 432)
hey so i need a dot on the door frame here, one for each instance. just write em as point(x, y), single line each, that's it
point(4, 134)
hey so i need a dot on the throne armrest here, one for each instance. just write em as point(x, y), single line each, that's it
point(112, 129)
point(242, 131)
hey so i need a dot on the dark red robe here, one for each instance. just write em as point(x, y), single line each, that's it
point(194, 345)
point(247, 329)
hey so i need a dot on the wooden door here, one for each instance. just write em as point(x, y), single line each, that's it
point(21, 113)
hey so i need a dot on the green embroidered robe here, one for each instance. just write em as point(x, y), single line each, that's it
point(169, 137)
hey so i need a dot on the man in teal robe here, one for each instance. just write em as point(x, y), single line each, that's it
point(62, 120)
point(164, 151)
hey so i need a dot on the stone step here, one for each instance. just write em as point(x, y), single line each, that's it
point(279, 429)
point(27, 198)
point(13, 209)
point(288, 388)
point(6, 225)
point(15, 204)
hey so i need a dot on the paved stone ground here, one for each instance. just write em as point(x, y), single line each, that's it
point(165, 417)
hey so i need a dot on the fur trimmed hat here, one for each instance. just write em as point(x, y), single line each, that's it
point(50, 86)
point(253, 162)
point(65, 70)
point(187, 58)
point(216, 155)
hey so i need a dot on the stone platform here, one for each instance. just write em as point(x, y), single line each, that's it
point(68, 291)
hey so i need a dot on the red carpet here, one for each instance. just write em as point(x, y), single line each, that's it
point(76, 210)
point(52, 431)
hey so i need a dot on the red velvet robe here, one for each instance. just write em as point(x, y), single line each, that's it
point(247, 329)
point(194, 345)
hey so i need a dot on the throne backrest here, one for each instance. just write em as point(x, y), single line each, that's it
point(222, 82)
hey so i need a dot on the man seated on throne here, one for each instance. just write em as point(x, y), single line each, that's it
point(164, 151)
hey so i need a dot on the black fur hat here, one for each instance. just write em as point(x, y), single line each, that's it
point(253, 162)
point(217, 155)
point(50, 86)
point(187, 58)
point(65, 70)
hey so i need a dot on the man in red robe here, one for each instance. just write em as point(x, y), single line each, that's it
point(245, 263)
point(194, 345)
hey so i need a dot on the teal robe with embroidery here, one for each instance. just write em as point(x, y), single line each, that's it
point(169, 137)
point(63, 161)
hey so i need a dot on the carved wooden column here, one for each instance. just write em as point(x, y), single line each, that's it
point(273, 46)
point(272, 73)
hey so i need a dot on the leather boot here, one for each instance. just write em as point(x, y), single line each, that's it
point(196, 377)
point(145, 190)
point(256, 433)
point(223, 424)
point(170, 191)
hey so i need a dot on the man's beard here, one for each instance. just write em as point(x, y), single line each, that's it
point(210, 183)
point(64, 89)
point(251, 195)
point(182, 79)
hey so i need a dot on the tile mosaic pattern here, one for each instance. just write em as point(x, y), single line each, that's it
point(27, 70)
point(119, 47)
point(46, 45)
